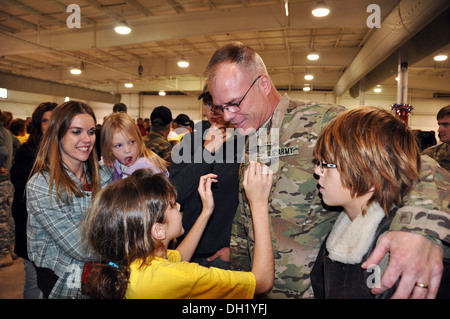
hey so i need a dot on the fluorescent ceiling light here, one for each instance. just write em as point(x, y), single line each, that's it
point(3, 93)
point(309, 77)
point(313, 56)
point(321, 9)
point(183, 63)
point(440, 57)
point(122, 28)
point(75, 71)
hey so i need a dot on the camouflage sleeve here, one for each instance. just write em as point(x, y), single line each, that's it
point(240, 258)
point(427, 208)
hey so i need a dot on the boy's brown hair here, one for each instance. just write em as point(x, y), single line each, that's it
point(371, 148)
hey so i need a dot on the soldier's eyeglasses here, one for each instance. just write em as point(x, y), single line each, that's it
point(322, 165)
point(232, 107)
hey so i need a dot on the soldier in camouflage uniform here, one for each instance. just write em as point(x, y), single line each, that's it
point(7, 234)
point(156, 140)
point(286, 132)
point(441, 152)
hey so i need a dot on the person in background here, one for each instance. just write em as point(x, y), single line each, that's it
point(20, 172)
point(200, 153)
point(156, 140)
point(6, 118)
point(138, 264)
point(286, 131)
point(7, 235)
point(18, 128)
point(147, 125)
point(425, 139)
point(120, 107)
point(66, 177)
point(367, 161)
point(140, 124)
point(441, 152)
point(124, 149)
point(180, 126)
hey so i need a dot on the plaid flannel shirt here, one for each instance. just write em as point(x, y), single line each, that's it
point(54, 240)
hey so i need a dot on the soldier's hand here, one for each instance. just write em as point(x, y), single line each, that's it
point(414, 258)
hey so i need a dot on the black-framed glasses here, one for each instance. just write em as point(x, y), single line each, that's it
point(233, 107)
point(323, 165)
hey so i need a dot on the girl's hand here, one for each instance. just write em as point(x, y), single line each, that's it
point(204, 190)
point(257, 183)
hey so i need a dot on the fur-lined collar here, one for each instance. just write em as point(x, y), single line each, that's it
point(349, 241)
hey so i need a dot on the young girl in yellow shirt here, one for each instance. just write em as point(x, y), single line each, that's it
point(132, 222)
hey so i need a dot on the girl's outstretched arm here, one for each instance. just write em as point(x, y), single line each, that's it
point(190, 242)
point(257, 185)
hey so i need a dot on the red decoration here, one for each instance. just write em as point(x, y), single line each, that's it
point(402, 111)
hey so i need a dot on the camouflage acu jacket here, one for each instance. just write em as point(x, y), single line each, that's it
point(299, 223)
point(440, 153)
point(159, 144)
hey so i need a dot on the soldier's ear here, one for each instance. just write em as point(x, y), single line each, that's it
point(265, 84)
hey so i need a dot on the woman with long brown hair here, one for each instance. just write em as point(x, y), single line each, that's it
point(66, 177)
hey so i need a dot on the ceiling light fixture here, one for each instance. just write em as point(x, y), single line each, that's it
point(309, 77)
point(307, 88)
point(75, 71)
point(128, 85)
point(313, 56)
point(377, 89)
point(440, 57)
point(321, 9)
point(162, 93)
point(183, 63)
point(3, 93)
point(286, 8)
point(122, 28)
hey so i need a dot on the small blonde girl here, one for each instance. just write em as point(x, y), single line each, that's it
point(124, 150)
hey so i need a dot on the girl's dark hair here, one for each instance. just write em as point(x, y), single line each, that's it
point(118, 228)
point(36, 120)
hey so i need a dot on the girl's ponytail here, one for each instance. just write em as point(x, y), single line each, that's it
point(106, 281)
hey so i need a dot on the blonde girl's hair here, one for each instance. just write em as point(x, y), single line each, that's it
point(121, 121)
point(371, 148)
point(118, 227)
point(49, 160)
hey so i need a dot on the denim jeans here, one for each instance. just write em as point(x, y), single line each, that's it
point(30, 289)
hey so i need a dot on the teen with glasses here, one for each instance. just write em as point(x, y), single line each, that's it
point(377, 164)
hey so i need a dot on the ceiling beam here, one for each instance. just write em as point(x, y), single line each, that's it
point(27, 84)
point(408, 18)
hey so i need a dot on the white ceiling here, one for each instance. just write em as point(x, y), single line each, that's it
point(36, 42)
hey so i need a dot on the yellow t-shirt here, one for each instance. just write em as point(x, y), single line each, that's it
point(172, 278)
